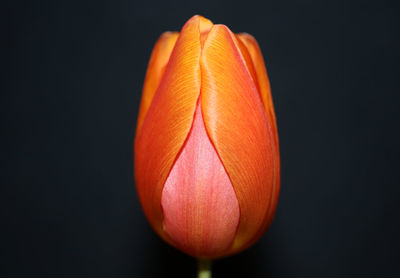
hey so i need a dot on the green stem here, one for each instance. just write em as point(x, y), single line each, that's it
point(203, 268)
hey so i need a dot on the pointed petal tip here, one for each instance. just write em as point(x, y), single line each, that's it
point(246, 36)
point(200, 17)
point(204, 23)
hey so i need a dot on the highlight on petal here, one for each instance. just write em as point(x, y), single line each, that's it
point(239, 129)
point(168, 121)
point(205, 27)
point(155, 70)
point(201, 212)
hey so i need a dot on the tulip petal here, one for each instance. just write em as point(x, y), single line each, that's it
point(262, 77)
point(158, 61)
point(247, 59)
point(201, 212)
point(265, 92)
point(239, 129)
point(168, 121)
point(205, 27)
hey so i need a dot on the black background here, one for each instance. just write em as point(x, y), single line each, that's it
point(72, 74)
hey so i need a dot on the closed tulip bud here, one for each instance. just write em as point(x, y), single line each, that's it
point(206, 148)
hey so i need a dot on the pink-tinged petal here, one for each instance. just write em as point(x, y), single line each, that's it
point(201, 212)
point(168, 121)
point(239, 129)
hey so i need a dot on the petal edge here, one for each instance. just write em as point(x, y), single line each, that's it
point(155, 70)
point(167, 122)
point(236, 122)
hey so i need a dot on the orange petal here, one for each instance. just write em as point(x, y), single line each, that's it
point(262, 77)
point(238, 127)
point(265, 91)
point(168, 121)
point(205, 27)
point(158, 61)
point(201, 212)
point(247, 59)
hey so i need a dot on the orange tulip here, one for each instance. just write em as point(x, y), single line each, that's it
point(206, 149)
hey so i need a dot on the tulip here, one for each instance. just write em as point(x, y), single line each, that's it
point(207, 164)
